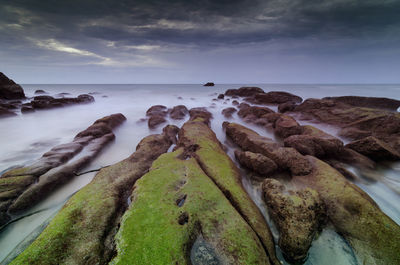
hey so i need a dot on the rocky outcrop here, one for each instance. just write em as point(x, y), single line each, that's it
point(368, 102)
point(57, 166)
point(286, 106)
point(200, 142)
point(286, 158)
point(298, 215)
point(250, 113)
point(157, 115)
point(178, 202)
point(274, 97)
point(374, 148)
point(228, 112)
point(256, 162)
point(178, 112)
point(6, 112)
point(200, 113)
point(9, 89)
point(85, 227)
point(286, 126)
point(244, 91)
point(209, 84)
point(48, 102)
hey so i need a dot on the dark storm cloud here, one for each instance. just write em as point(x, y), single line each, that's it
point(128, 33)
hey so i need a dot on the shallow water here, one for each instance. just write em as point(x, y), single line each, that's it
point(24, 138)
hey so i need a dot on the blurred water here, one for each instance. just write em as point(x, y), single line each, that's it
point(24, 138)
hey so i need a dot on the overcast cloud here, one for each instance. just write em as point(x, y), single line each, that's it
point(186, 41)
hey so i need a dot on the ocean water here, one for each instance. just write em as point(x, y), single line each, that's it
point(24, 138)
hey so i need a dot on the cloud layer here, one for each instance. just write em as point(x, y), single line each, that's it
point(190, 41)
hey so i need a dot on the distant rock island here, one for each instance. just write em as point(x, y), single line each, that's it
point(209, 84)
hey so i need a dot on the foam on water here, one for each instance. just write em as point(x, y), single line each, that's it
point(24, 138)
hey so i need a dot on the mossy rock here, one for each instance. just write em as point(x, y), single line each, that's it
point(373, 235)
point(203, 145)
point(82, 232)
point(173, 205)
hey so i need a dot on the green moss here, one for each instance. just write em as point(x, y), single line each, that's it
point(221, 169)
point(9, 183)
point(16, 172)
point(374, 236)
point(150, 231)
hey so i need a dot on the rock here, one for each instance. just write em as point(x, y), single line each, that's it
point(353, 133)
point(352, 157)
point(85, 227)
point(368, 102)
point(178, 112)
point(235, 103)
point(200, 142)
point(26, 109)
point(157, 110)
point(374, 149)
point(200, 113)
point(315, 142)
point(6, 113)
point(178, 202)
point(298, 215)
point(274, 97)
point(209, 84)
point(221, 96)
point(286, 126)
point(40, 91)
point(56, 166)
point(256, 162)
point(9, 89)
point(48, 102)
point(227, 112)
point(252, 112)
point(170, 131)
point(285, 158)
point(155, 121)
point(372, 234)
point(244, 91)
point(287, 106)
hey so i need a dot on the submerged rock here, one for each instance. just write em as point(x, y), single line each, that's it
point(256, 162)
point(157, 115)
point(57, 166)
point(274, 97)
point(6, 112)
point(227, 112)
point(40, 91)
point(83, 231)
point(9, 89)
point(298, 215)
point(244, 91)
point(178, 112)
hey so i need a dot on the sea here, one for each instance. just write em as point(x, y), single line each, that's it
point(25, 137)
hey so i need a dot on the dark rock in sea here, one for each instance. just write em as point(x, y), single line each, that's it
point(48, 102)
point(40, 91)
point(9, 89)
point(374, 149)
point(256, 162)
point(286, 158)
point(252, 112)
point(209, 84)
point(6, 112)
point(221, 96)
point(274, 97)
point(368, 102)
point(32, 183)
point(201, 113)
point(298, 215)
point(228, 112)
point(244, 91)
point(62, 95)
point(287, 106)
point(155, 120)
point(26, 109)
point(157, 110)
point(286, 126)
point(178, 112)
point(235, 103)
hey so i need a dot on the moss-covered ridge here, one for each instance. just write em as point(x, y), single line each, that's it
point(172, 205)
point(201, 141)
point(82, 232)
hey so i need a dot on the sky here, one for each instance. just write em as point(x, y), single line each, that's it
point(195, 41)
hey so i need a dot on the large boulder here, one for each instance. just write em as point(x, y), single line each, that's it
point(228, 112)
point(178, 112)
point(286, 126)
point(256, 162)
point(374, 149)
point(251, 113)
point(298, 215)
point(157, 115)
point(9, 89)
point(274, 97)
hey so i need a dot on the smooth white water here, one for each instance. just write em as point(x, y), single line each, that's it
point(24, 138)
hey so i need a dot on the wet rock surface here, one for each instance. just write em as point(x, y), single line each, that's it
point(56, 166)
point(298, 215)
point(256, 162)
point(84, 229)
point(228, 112)
point(178, 112)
